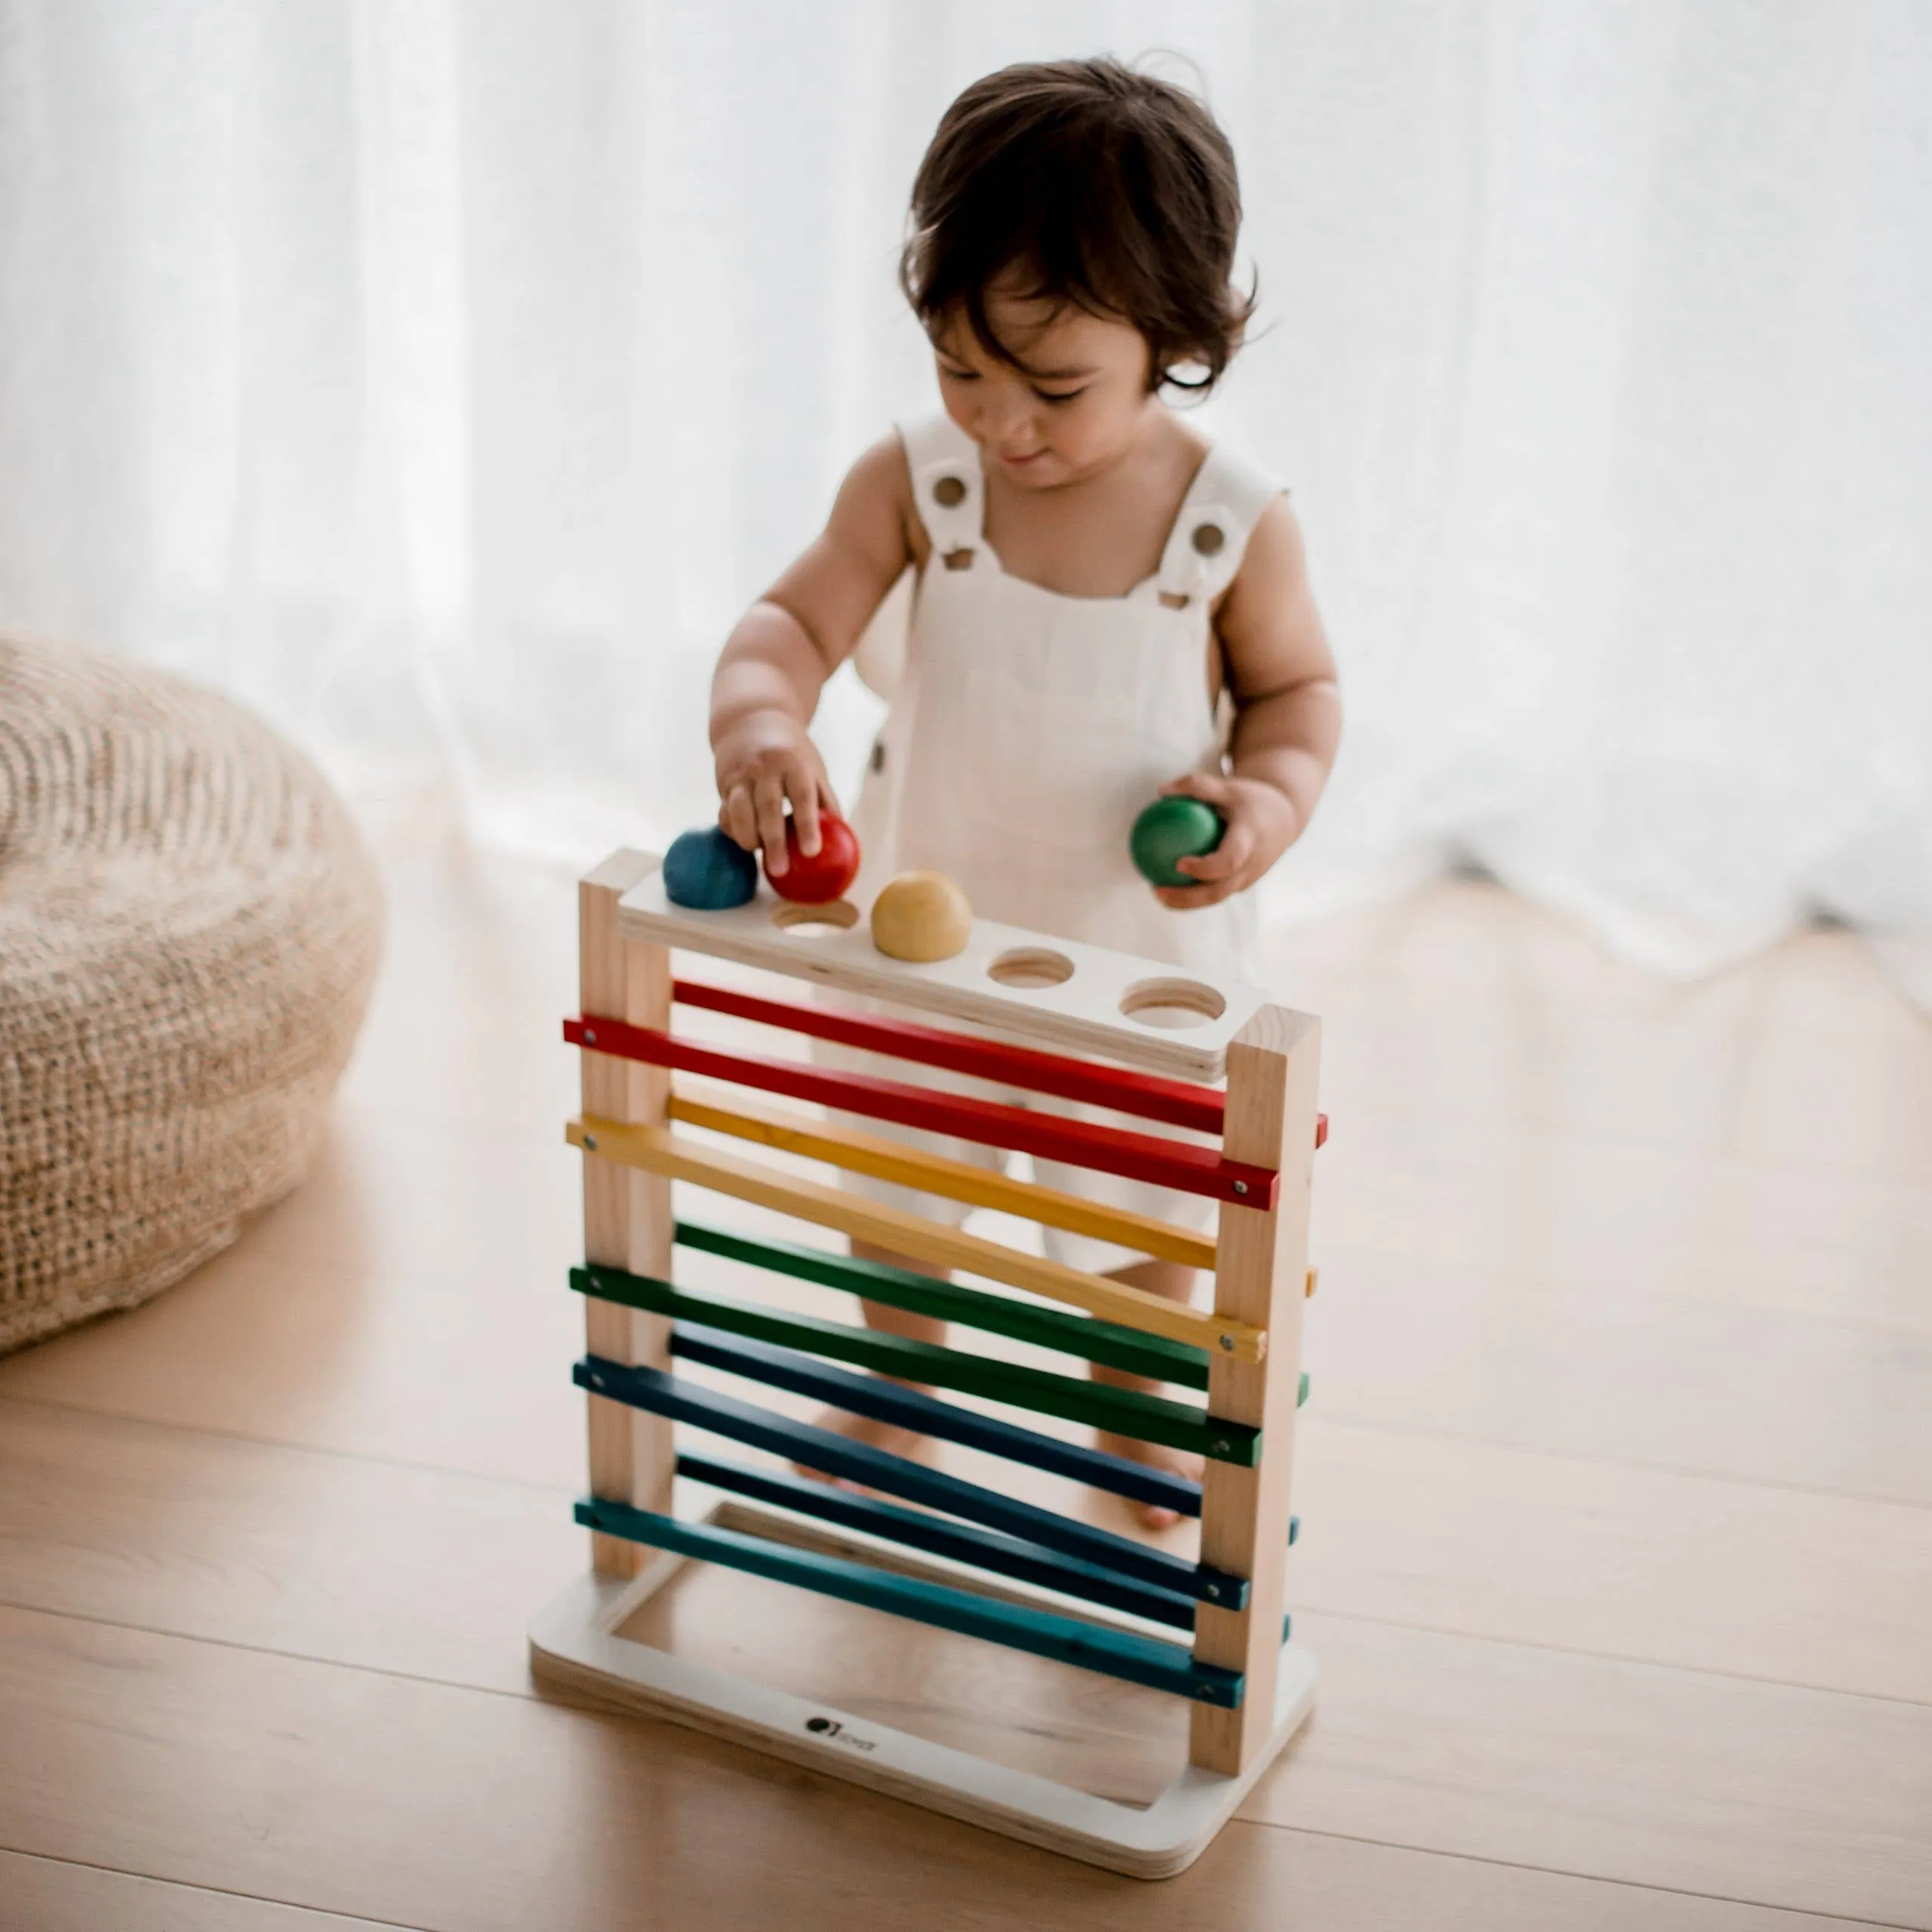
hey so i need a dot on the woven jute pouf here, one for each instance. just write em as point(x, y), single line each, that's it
point(189, 928)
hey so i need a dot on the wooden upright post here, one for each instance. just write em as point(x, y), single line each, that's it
point(626, 1214)
point(1259, 1277)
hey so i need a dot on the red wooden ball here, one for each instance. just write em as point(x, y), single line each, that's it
point(827, 874)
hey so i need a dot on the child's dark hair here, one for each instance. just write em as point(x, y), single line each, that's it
point(1101, 187)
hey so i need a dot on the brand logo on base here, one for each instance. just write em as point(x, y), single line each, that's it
point(831, 1727)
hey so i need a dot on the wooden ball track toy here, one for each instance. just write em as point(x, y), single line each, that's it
point(1079, 1025)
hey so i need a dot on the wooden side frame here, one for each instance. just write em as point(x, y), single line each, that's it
point(627, 1221)
point(1274, 1066)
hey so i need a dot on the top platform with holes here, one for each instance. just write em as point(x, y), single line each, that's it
point(1048, 993)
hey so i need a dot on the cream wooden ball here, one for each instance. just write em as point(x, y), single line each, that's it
point(920, 917)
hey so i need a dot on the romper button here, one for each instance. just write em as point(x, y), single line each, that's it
point(949, 493)
point(1208, 538)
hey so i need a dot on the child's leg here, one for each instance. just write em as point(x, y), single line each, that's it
point(1174, 1282)
point(892, 1321)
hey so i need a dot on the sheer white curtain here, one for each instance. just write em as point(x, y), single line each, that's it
point(443, 376)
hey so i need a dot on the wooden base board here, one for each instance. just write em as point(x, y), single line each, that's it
point(574, 1644)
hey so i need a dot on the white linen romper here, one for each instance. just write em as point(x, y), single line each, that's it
point(1029, 729)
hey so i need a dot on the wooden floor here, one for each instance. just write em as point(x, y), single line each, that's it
point(1617, 1485)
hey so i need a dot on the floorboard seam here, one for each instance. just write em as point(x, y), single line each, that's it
point(216, 1891)
point(532, 1696)
point(1592, 1877)
point(1782, 1485)
point(1898, 1699)
point(361, 1457)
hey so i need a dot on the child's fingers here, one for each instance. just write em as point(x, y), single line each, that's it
point(1222, 872)
point(802, 786)
point(1210, 787)
point(737, 819)
point(768, 798)
point(1193, 898)
point(1230, 856)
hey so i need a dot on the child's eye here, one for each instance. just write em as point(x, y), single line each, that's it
point(1065, 396)
point(958, 375)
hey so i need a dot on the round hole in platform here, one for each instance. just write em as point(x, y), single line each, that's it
point(835, 915)
point(1172, 1004)
point(1027, 968)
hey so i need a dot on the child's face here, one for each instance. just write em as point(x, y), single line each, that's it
point(1073, 405)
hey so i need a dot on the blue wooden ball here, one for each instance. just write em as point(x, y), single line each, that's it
point(706, 871)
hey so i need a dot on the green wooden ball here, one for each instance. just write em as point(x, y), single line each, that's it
point(1171, 829)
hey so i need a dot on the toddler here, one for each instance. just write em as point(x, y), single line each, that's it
point(1108, 606)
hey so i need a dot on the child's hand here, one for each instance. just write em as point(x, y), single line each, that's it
point(765, 762)
point(1262, 824)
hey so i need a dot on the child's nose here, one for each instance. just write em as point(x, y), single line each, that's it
point(1008, 419)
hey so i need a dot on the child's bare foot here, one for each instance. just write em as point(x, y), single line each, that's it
point(889, 1436)
point(1156, 1455)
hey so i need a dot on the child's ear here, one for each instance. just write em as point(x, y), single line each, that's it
point(1182, 369)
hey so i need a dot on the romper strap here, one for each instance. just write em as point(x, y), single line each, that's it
point(948, 490)
point(1210, 533)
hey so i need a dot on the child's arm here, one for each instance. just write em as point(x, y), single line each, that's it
point(1288, 715)
point(777, 658)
